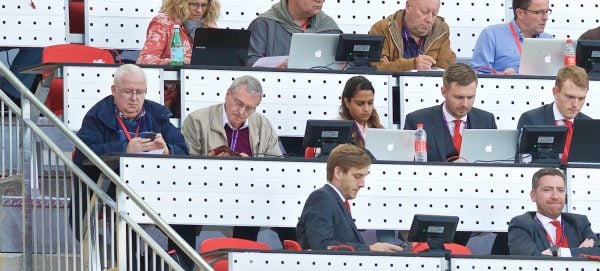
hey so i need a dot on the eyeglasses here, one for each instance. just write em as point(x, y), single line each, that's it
point(539, 13)
point(130, 92)
point(197, 5)
point(237, 105)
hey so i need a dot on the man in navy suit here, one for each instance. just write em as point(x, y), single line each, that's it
point(570, 89)
point(326, 220)
point(549, 231)
point(444, 123)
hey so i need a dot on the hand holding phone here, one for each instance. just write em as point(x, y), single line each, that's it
point(149, 135)
point(225, 150)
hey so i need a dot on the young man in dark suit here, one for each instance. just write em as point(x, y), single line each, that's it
point(549, 231)
point(570, 90)
point(444, 123)
point(326, 220)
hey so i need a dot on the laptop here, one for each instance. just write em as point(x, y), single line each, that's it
point(292, 146)
point(585, 147)
point(220, 47)
point(391, 144)
point(314, 51)
point(489, 145)
point(542, 56)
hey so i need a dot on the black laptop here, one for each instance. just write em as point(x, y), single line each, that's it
point(220, 47)
point(585, 145)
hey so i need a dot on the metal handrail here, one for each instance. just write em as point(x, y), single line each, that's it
point(105, 169)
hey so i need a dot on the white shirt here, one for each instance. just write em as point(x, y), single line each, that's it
point(450, 121)
point(337, 191)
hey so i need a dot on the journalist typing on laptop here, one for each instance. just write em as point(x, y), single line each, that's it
point(272, 31)
point(498, 48)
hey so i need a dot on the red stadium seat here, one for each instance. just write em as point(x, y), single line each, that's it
point(454, 248)
point(70, 53)
point(291, 245)
point(219, 262)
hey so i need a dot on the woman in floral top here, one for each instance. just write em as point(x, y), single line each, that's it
point(189, 14)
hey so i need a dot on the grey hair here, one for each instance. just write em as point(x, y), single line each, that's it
point(128, 70)
point(253, 85)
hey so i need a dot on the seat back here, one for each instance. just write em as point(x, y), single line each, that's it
point(69, 53)
point(455, 249)
point(291, 245)
point(219, 262)
point(76, 15)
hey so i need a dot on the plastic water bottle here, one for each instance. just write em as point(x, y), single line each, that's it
point(420, 144)
point(569, 53)
point(176, 48)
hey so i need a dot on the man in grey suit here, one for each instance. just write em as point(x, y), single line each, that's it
point(549, 231)
point(326, 220)
point(570, 90)
point(444, 123)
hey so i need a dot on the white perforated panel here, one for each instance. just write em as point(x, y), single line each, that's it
point(272, 193)
point(258, 261)
point(289, 98)
point(506, 98)
point(85, 86)
point(548, 263)
point(119, 24)
point(23, 25)
point(570, 19)
point(584, 194)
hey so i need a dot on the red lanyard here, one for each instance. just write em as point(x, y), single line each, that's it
point(515, 36)
point(125, 130)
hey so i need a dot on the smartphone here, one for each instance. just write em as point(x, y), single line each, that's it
point(149, 135)
point(224, 149)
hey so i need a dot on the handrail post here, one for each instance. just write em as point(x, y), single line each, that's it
point(28, 167)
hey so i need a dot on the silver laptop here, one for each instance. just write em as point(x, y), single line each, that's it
point(314, 51)
point(489, 145)
point(391, 144)
point(542, 56)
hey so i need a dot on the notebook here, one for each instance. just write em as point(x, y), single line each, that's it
point(314, 51)
point(584, 145)
point(292, 146)
point(489, 145)
point(220, 47)
point(542, 56)
point(391, 144)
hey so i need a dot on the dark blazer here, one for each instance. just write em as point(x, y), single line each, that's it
point(325, 222)
point(526, 237)
point(439, 141)
point(542, 115)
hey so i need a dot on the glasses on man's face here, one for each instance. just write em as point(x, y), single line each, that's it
point(539, 13)
point(237, 105)
point(198, 5)
point(130, 93)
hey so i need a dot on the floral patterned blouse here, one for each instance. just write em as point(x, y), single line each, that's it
point(157, 48)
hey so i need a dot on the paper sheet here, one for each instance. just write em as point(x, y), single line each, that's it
point(270, 61)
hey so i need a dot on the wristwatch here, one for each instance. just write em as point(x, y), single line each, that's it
point(554, 251)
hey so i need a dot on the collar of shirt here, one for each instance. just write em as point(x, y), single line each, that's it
point(226, 121)
point(550, 229)
point(450, 120)
point(558, 117)
point(411, 47)
point(138, 117)
point(337, 191)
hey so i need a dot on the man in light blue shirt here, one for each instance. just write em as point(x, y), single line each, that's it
point(498, 48)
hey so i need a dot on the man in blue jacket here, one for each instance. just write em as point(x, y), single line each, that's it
point(125, 122)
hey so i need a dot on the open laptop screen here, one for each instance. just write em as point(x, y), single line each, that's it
point(220, 47)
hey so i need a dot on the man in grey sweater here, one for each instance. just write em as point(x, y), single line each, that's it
point(272, 30)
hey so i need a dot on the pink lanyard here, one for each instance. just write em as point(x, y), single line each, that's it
point(515, 36)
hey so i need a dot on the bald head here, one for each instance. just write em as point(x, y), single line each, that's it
point(420, 15)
